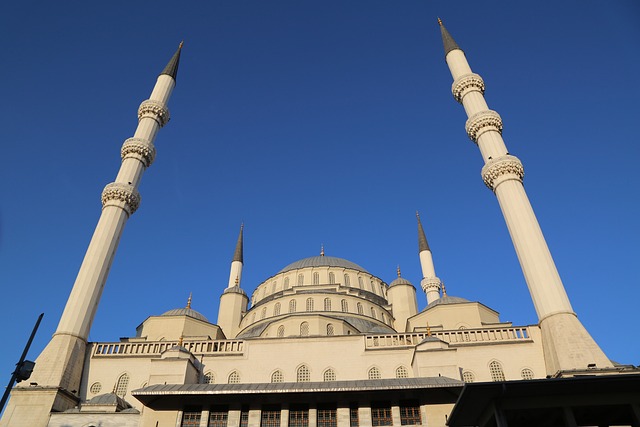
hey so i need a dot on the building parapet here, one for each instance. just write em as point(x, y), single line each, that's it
point(156, 348)
point(453, 337)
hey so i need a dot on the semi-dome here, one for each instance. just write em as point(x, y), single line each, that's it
point(186, 311)
point(322, 261)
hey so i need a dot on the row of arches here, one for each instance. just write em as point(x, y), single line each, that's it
point(497, 373)
point(303, 374)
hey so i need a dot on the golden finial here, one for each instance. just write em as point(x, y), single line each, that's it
point(189, 301)
point(444, 290)
point(322, 250)
point(237, 280)
point(428, 330)
point(180, 45)
point(398, 270)
point(439, 21)
point(180, 340)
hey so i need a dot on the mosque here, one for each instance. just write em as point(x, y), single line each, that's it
point(358, 351)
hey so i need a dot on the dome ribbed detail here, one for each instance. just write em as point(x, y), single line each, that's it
point(186, 312)
point(322, 261)
point(400, 281)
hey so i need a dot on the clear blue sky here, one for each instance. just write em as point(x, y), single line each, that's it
point(316, 122)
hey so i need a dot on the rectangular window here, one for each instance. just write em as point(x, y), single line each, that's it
point(381, 414)
point(270, 417)
point(244, 416)
point(327, 417)
point(298, 416)
point(190, 419)
point(354, 419)
point(410, 413)
point(218, 417)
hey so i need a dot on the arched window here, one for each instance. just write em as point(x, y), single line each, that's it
point(332, 278)
point(382, 317)
point(309, 304)
point(264, 291)
point(330, 330)
point(304, 329)
point(374, 374)
point(263, 313)
point(495, 368)
point(402, 372)
point(360, 309)
point(95, 388)
point(281, 331)
point(344, 305)
point(292, 306)
point(234, 378)
point(468, 377)
point(527, 374)
point(286, 283)
point(316, 278)
point(209, 378)
point(276, 309)
point(373, 312)
point(327, 304)
point(300, 279)
point(329, 375)
point(347, 281)
point(277, 377)
point(122, 385)
point(253, 317)
point(360, 283)
point(303, 375)
point(273, 287)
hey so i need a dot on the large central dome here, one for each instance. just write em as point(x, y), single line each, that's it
point(322, 261)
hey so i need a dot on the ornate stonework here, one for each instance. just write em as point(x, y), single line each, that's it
point(140, 149)
point(430, 284)
point(124, 196)
point(482, 122)
point(154, 110)
point(502, 169)
point(465, 84)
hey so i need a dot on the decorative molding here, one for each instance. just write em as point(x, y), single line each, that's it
point(465, 84)
point(429, 284)
point(502, 169)
point(482, 122)
point(124, 196)
point(138, 148)
point(154, 110)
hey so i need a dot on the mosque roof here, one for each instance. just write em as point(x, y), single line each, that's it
point(186, 311)
point(447, 300)
point(322, 261)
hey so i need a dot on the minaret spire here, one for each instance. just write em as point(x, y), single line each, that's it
point(430, 283)
point(59, 366)
point(447, 41)
point(566, 343)
point(235, 275)
point(172, 66)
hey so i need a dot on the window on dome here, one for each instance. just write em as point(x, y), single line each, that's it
point(344, 305)
point(373, 312)
point(374, 374)
point(468, 377)
point(382, 317)
point(122, 385)
point(332, 278)
point(309, 304)
point(495, 368)
point(273, 287)
point(329, 375)
point(292, 306)
point(360, 309)
point(330, 330)
point(263, 313)
point(277, 377)
point(316, 278)
point(281, 331)
point(373, 286)
point(402, 372)
point(527, 374)
point(327, 304)
point(360, 283)
point(300, 279)
point(253, 317)
point(276, 309)
point(303, 375)
point(304, 329)
point(234, 378)
point(347, 281)
point(286, 283)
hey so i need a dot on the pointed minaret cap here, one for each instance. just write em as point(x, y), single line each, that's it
point(447, 41)
point(237, 255)
point(398, 271)
point(172, 67)
point(422, 238)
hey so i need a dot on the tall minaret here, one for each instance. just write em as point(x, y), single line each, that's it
point(58, 369)
point(233, 301)
point(566, 343)
point(430, 283)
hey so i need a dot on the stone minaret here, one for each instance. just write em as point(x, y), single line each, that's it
point(58, 369)
point(233, 301)
point(430, 283)
point(567, 344)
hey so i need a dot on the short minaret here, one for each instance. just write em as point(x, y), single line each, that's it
point(235, 275)
point(567, 344)
point(430, 283)
point(58, 369)
point(233, 301)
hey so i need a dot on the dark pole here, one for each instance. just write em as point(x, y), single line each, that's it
point(14, 375)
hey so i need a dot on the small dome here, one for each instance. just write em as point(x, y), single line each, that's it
point(323, 261)
point(186, 312)
point(109, 399)
point(235, 290)
point(447, 300)
point(400, 281)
